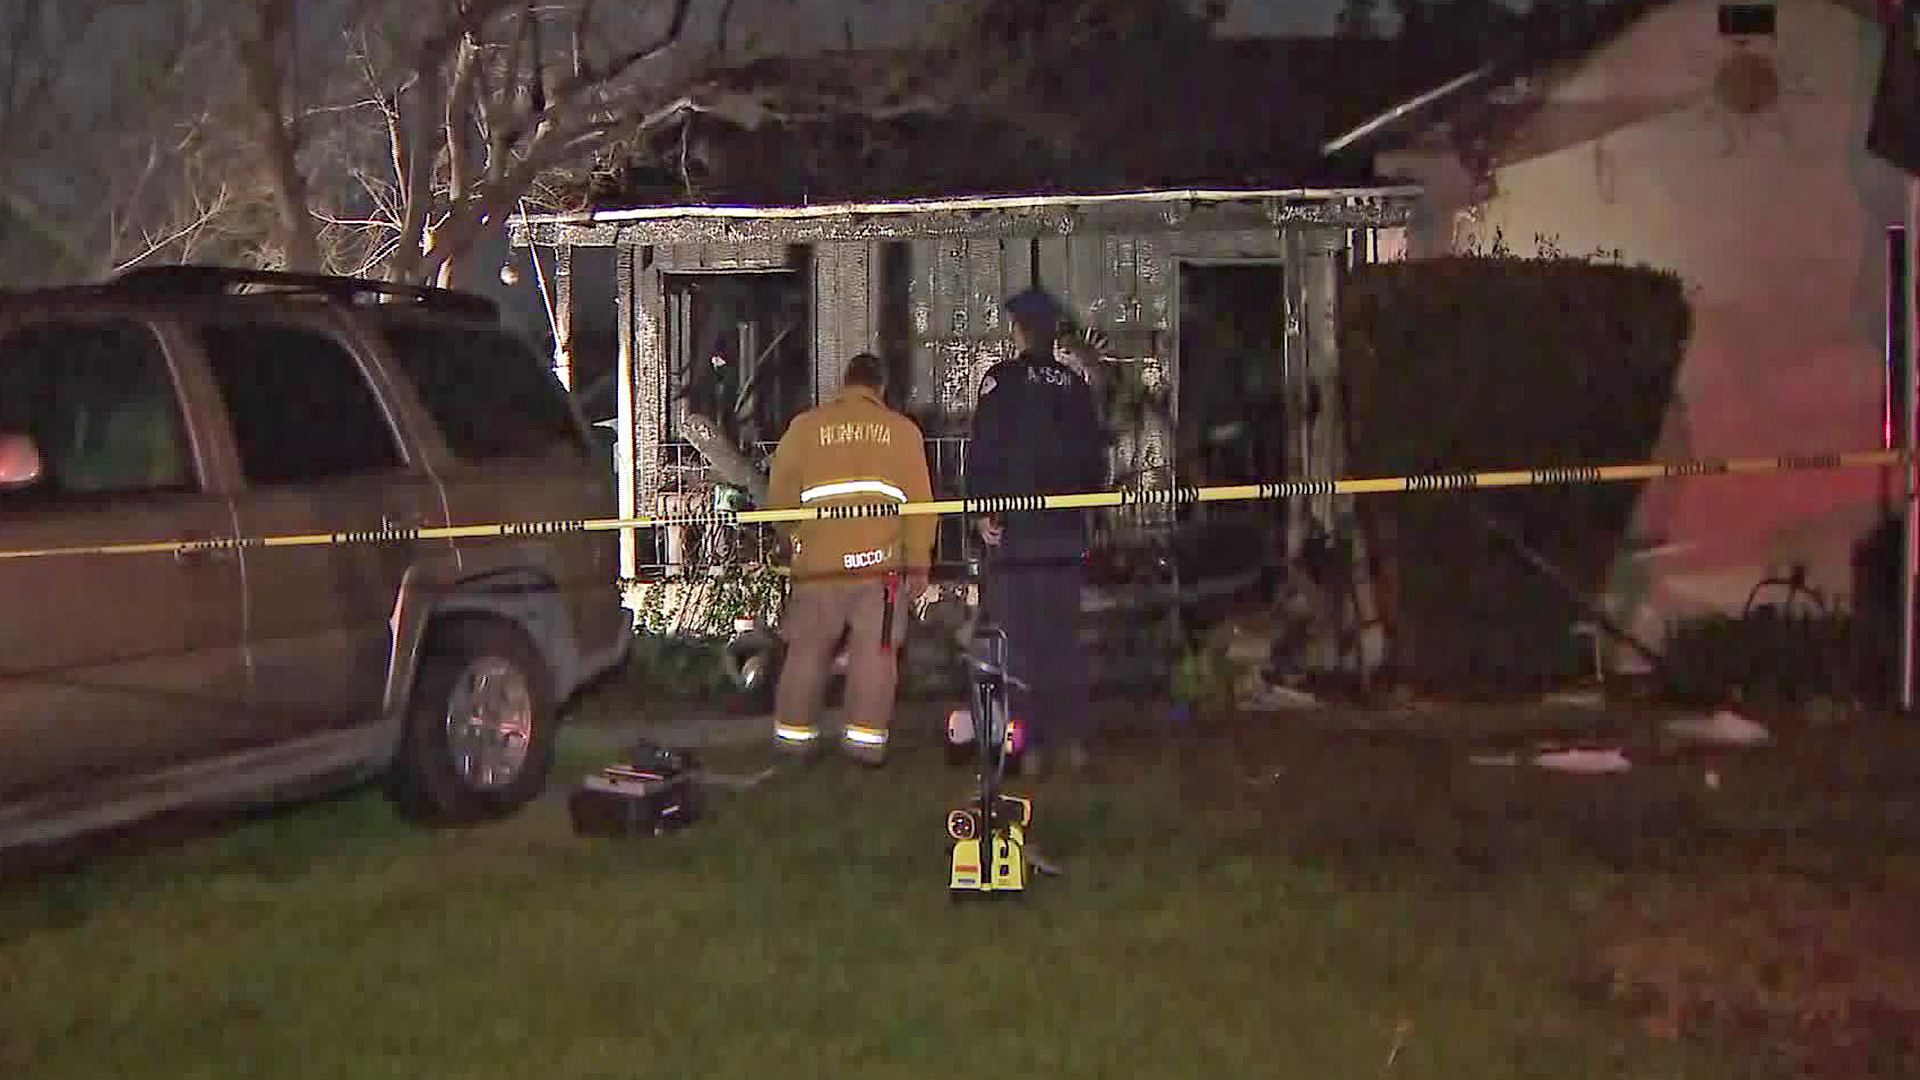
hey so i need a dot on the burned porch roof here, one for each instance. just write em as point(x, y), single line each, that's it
point(1229, 113)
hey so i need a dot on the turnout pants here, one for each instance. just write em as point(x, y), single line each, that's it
point(816, 614)
point(1038, 605)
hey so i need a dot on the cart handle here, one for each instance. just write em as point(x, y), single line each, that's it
point(986, 667)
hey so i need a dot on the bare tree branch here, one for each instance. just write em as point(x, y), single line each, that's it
point(438, 117)
point(207, 214)
point(460, 129)
point(565, 96)
point(414, 144)
point(470, 17)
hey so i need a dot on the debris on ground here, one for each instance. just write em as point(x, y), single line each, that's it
point(1576, 699)
point(1723, 728)
point(1402, 1031)
point(1585, 761)
point(1249, 642)
point(1259, 695)
point(1581, 760)
point(1247, 639)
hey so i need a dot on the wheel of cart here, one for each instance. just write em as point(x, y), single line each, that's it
point(1000, 842)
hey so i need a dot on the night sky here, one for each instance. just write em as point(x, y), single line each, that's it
point(874, 22)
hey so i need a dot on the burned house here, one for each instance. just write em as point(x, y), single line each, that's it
point(1209, 253)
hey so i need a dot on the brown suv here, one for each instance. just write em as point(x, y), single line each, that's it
point(200, 403)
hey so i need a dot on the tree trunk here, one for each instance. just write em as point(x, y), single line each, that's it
point(259, 65)
point(298, 234)
point(725, 459)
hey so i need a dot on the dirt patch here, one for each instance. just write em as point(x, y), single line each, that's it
point(1834, 972)
point(1455, 794)
point(1774, 904)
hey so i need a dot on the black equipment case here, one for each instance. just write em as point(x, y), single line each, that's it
point(649, 795)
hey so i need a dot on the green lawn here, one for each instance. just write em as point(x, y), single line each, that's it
point(804, 929)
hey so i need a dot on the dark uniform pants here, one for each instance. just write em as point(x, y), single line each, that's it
point(816, 614)
point(1038, 605)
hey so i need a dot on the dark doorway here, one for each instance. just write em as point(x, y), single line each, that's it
point(740, 349)
point(1231, 428)
point(1232, 406)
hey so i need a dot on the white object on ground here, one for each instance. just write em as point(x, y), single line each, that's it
point(1585, 762)
point(1726, 728)
point(1581, 699)
point(1269, 697)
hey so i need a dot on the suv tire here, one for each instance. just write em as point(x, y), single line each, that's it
point(480, 727)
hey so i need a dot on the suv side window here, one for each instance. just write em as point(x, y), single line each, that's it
point(97, 398)
point(492, 398)
point(302, 408)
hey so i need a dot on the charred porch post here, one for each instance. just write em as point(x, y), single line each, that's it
point(626, 444)
point(1319, 254)
point(563, 314)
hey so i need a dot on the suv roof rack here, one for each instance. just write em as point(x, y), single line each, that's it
point(206, 280)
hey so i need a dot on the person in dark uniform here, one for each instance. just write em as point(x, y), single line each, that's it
point(1037, 431)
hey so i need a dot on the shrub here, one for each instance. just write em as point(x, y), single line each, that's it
point(1769, 658)
point(709, 604)
point(1877, 593)
point(1478, 362)
point(679, 667)
point(1206, 679)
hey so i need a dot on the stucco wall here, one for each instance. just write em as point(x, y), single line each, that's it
point(1776, 221)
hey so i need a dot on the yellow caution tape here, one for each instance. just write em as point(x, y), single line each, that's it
point(1176, 496)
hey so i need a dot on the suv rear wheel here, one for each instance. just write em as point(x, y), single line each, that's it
point(480, 727)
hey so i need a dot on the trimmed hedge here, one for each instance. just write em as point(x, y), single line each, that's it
point(1769, 659)
point(1489, 362)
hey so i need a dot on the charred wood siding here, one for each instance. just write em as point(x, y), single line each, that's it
point(922, 287)
point(954, 324)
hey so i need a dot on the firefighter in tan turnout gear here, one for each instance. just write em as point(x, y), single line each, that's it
point(854, 575)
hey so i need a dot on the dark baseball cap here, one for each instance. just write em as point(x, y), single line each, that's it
point(1035, 306)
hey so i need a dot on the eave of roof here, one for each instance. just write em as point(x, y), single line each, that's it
point(948, 205)
point(1439, 94)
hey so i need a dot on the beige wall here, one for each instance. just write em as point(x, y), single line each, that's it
point(1775, 221)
